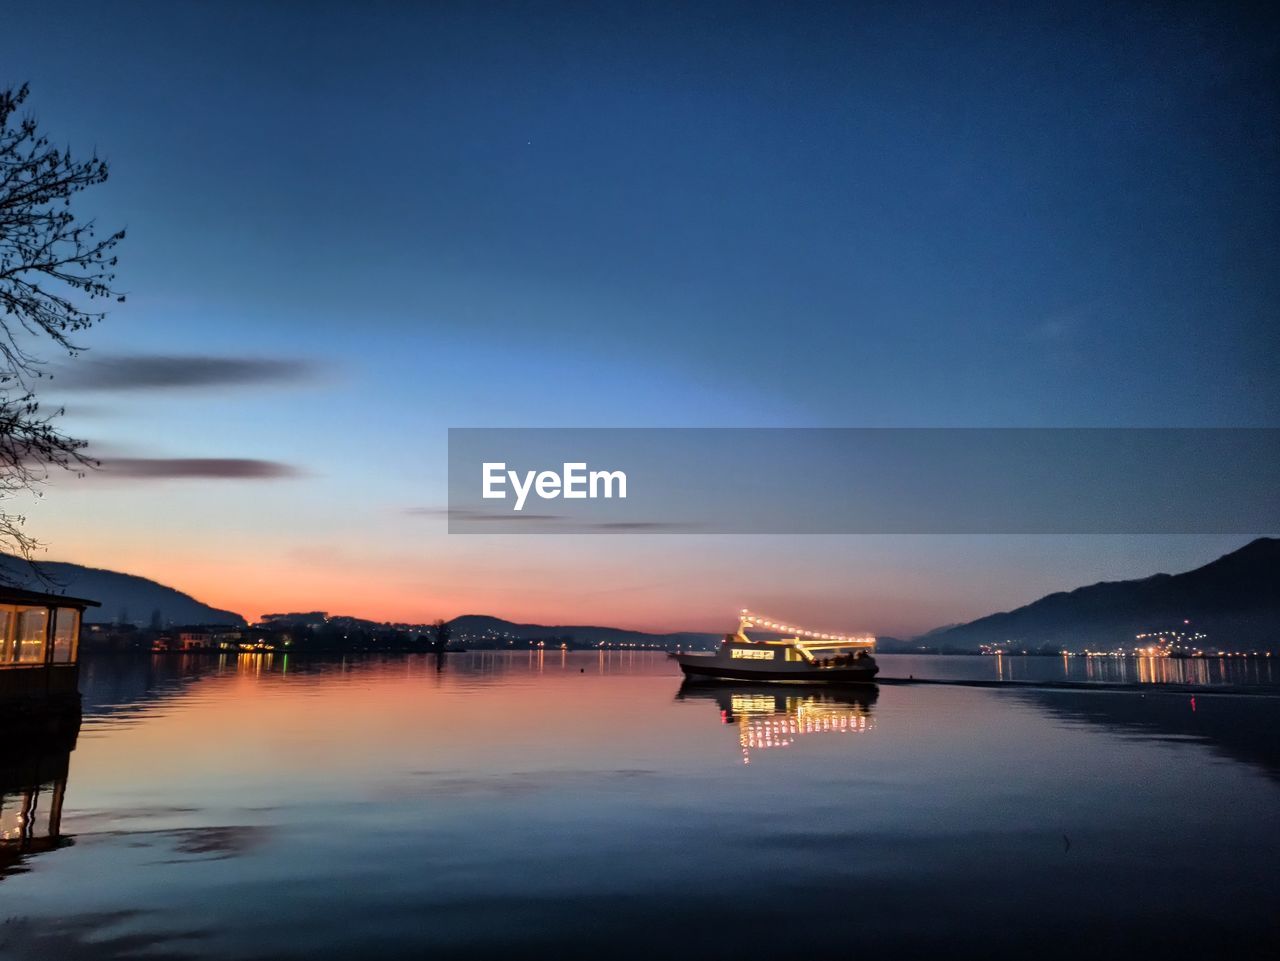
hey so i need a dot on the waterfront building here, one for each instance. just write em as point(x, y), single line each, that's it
point(39, 650)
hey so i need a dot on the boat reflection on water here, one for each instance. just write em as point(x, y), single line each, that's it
point(768, 717)
point(33, 783)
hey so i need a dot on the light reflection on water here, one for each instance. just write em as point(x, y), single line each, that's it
point(773, 717)
point(1235, 671)
point(252, 807)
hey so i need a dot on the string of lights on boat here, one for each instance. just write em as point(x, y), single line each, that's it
point(761, 622)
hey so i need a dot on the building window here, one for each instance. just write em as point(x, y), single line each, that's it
point(33, 622)
point(6, 638)
point(66, 635)
point(748, 654)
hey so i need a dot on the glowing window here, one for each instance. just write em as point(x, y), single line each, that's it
point(7, 653)
point(29, 638)
point(66, 632)
point(748, 654)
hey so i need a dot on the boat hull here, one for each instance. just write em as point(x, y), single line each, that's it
point(710, 669)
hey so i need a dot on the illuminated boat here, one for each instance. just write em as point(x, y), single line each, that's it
point(798, 656)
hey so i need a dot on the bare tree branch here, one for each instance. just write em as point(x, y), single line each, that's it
point(54, 272)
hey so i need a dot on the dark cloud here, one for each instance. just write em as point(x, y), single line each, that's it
point(558, 523)
point(177, 372)
point(218, 468)
point(86, 411)
point(470, 515)
point(623, 526)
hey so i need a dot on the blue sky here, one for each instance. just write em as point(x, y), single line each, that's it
point(724, 215)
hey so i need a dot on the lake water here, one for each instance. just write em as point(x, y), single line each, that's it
point(583, 805)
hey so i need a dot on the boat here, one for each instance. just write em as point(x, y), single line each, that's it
point(804, 657)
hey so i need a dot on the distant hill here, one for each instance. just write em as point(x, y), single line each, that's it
point(1235, 600)
point(480, 628)
point(124, 597)
point(886, 644)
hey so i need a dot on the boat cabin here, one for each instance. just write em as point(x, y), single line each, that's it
point(39, 646)
point(798, 656)
point(795, 649)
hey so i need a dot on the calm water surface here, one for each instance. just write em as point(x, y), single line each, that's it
point(579, 805)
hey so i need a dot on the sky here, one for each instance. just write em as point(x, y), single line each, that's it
point(353, 226)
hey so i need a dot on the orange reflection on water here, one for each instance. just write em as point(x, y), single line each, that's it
point(282, 723)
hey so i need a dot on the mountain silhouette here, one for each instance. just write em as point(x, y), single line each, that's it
point(124, 597)
point(1235, 600)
